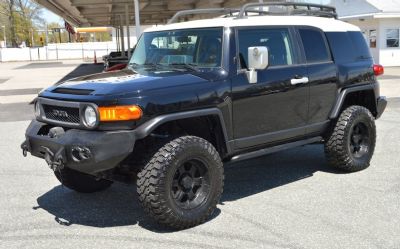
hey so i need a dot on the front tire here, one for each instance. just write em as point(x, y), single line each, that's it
point(182, 183)
point(352, 142)
point(81, 182)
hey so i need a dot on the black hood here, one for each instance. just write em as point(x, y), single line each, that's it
point(125, 81)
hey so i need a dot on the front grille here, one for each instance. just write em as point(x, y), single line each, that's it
point(62, 114)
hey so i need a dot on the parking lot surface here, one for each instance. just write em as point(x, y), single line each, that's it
point(290, 199)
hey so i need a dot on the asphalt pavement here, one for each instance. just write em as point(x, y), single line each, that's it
point(290, 199)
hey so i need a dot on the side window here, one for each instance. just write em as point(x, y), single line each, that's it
point(276, 40)
point(314, 46)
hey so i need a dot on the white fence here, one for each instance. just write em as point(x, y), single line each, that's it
point(58, 51)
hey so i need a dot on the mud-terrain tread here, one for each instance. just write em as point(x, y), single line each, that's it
point(153, 175)
point(81, 182)
point(336, 146)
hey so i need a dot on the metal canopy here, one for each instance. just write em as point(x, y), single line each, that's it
point(110, 12)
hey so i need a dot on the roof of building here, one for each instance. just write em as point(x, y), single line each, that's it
point(366, 8)
point(325, 24)
point(386, 5)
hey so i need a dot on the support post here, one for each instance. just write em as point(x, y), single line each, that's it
point(117, 38)
point(137, 19)
point(127, 29)
point(122, 36)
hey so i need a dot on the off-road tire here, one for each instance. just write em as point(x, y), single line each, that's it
point(156, 178)
point(338, 147)
point(81, 182)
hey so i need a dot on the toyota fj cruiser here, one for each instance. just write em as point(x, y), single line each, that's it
point(195, 94)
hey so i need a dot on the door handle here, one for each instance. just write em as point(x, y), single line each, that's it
point(298, 80)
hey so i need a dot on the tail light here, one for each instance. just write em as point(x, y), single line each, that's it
point(378, 69)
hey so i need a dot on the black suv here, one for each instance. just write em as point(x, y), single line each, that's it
point(200, 93)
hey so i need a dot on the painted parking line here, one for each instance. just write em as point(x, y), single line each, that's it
point(23, 91)
point(17, 98)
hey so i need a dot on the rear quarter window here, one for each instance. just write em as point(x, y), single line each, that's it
point(360, 45)
point(348, 46)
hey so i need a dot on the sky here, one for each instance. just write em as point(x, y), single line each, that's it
point(50, 17)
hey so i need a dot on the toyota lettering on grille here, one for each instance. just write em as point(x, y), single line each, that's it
point(61, 114)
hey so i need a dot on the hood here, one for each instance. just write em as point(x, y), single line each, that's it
point(124, 82)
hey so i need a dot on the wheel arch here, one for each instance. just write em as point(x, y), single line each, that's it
point(364, 95)
point(206, 123)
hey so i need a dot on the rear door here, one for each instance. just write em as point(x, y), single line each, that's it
point(276, 107)
point(323, 80)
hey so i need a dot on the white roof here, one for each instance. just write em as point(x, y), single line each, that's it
point(325, 24)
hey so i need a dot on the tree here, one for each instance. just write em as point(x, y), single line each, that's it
point(8, 11)
point(22, 17)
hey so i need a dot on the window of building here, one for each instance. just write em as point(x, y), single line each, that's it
point(392, 38)
point(276, 40)
point(314, 46)
point(372, 38)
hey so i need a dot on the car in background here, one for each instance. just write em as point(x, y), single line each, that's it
point(115, 58)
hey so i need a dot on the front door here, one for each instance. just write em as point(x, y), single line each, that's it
point(276, 107)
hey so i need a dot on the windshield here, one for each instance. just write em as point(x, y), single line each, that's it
point(192, 48)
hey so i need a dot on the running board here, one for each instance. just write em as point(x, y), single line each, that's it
point(276, 149)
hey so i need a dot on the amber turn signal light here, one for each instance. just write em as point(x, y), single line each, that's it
point(120, 113)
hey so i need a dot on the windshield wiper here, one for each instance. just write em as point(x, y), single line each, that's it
point(190, 66)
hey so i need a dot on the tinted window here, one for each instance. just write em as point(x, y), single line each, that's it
point(276, 40)
point(314, 46)
point(197, 47)
point(360, 45)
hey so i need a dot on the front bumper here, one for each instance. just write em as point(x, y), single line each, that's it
point(380, 106)
point(89, 152)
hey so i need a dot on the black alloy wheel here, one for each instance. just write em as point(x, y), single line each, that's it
point(191, 184)
point(359, 140)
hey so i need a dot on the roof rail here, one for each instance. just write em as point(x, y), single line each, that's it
point(309, 10)
point(179, 14)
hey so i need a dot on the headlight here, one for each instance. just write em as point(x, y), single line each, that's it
point(37, 109)
point(90, 118)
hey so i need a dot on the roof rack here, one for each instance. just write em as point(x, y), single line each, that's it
point(306, 9)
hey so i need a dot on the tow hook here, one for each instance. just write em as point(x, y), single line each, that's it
point(55, 163)
point(24, 150)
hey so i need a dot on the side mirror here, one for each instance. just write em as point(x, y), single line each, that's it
point(257, 60)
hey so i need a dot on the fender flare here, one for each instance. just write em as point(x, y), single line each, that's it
point(145, 129)
point(342, 97)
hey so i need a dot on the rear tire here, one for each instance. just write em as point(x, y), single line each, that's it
point(352, 142)
point(182, 183)
point(81, 182)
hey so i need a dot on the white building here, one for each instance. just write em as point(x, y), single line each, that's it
point(379, 21)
